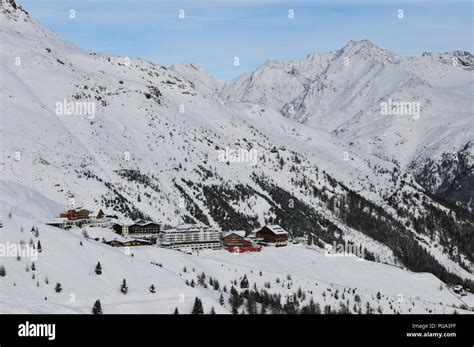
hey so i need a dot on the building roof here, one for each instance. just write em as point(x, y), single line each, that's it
point(190, 227)
point(139, 223)
point(240, 233)
point(276, 229)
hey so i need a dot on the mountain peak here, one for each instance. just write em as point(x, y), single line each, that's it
point(357, 46)
point(368, 50)
point(361, 43)
point(9, 6)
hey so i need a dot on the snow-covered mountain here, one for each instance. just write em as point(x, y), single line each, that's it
point(342, 93)
point(155, 143)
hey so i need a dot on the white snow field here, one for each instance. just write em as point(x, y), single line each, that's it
point(63, 259)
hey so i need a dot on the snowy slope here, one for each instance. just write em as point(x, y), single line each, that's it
point(70, 259)
point(341, 92)
point(152, 150)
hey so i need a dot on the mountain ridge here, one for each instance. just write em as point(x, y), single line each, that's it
point(151, 150)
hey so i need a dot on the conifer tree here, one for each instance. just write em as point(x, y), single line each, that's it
point(197, 308)
point(97, 308)
point(58, 288)
point(98, 269)
point(123, 287)
point(244, 283)
point(221, 300)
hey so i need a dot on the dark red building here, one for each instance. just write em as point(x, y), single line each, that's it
point(78, 213)
point(272, 235)
point(235, 239)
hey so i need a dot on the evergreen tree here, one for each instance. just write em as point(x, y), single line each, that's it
point(197, 308)
point(33, 266)
point(58, 288)
point(201, 279)
point(97, 308)
point(251, 305)
point(290, 307)
point(244, 283)
point(212, 310)
point(3, 272)
point(38, 247)
point(369, 309)
point(221, 300)
point(98, 269)
point(123, 287)
point(176, 311)
point(235, 300)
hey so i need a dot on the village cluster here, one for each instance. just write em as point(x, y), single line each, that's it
point(186, 238)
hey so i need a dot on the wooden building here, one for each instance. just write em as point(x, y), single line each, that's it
point(235, 239)
point(141, 229)
point(128, 243)
point(272, 235)
point(77, 213)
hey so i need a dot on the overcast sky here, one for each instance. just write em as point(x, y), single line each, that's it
point(214, 32)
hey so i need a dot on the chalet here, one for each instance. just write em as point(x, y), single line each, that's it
point(140, 229)
point(136, 242)
point(80, 217)
point(100, 214)
point(127, 243)
point(74, 214)
point(272, 235)
point(235, 239)
point(236, 242)
point(114, 243)
point(190, 237)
